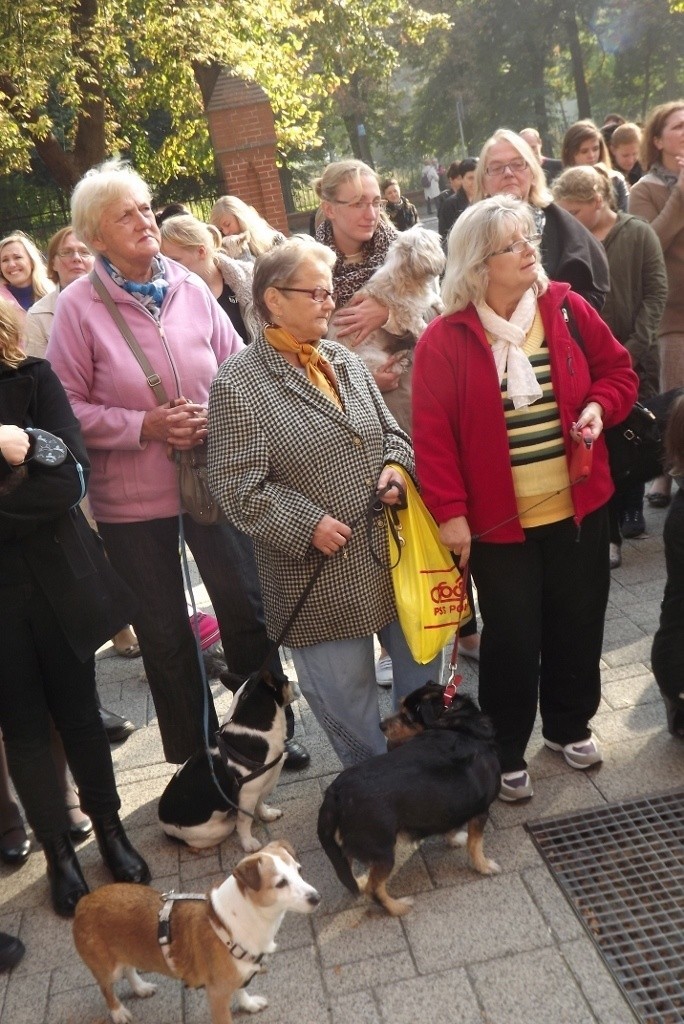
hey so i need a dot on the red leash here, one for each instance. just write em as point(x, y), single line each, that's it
point(455, 680)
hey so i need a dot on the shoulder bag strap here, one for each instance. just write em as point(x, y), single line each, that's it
point(153, 379)
point(571, 324)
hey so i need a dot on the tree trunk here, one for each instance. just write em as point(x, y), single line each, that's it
point(577, 58)
point(66, 167)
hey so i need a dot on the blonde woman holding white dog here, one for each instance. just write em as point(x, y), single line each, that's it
point(361, 239)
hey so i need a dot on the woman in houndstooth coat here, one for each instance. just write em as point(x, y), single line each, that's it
point(299, 441)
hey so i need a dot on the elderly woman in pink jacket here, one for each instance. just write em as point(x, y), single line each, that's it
point(133, 486)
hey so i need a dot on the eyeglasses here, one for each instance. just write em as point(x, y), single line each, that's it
point(519, 246)
point(317, 294)
point(498, 170)
point(378, 205)
point(70, 254)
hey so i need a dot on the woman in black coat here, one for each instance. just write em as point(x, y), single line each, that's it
point(59, 601)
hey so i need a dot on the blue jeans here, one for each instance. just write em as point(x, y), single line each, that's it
point(146, 555)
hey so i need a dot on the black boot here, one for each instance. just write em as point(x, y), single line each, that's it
point(675, 716)
point(125, 863)
point(67, 883)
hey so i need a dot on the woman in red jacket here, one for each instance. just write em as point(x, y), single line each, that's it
point(500, 381)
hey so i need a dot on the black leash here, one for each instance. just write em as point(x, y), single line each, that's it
point(375, 507)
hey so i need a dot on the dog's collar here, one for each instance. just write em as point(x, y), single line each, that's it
point(234, 948)
point(164, 925)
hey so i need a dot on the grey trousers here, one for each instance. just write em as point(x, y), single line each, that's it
point(338, 680)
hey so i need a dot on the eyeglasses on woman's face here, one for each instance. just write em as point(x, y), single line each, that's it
point(319, 294)
point(71, 254)
point(517, 247)
point(497, 170)
point(377, 205)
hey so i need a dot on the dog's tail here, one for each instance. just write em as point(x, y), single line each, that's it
point(328, 818)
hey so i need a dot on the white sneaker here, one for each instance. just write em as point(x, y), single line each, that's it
point(383, 671)
point(581, 754)
point(515, 786)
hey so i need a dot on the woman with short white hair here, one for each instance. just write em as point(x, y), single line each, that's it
point(509, 393)
point(134, 489)
point(302, 446)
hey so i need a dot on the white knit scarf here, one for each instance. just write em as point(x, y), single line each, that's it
point(509, 337)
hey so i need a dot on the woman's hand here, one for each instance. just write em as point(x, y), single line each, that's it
point(680, 179)
point(330, 535)
point(397, 494)
point(591, 417)
point(455, 535)
point(179, 423)
point(360, 317)
point(14, 443)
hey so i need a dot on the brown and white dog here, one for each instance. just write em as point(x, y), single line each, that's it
point(216, 942)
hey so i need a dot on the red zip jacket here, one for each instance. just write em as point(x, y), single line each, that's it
point(459, 432)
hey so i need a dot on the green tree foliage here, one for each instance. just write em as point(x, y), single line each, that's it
point(83, 78)
point(541, 62)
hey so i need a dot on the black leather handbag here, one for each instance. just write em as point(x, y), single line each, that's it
point(635, 446)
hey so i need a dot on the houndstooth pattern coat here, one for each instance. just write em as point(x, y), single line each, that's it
point(281, 456)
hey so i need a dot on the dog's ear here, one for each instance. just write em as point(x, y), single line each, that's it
point(288, 847)
point(247, 874)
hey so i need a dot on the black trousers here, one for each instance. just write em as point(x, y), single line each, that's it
point(543, 605)
point(40, 677)
point(146, 555)
point(667, 655)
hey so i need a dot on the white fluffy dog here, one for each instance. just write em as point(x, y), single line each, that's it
point(407, 284)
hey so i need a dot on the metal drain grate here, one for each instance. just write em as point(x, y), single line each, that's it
point(621, 868)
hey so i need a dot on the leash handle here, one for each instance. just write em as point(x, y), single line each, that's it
point(455, 680)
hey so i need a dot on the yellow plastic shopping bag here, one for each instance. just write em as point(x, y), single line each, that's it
point(429, 590)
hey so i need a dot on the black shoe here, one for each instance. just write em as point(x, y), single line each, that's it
point(675, 716)
point(632, 523)
point(117, 728)
point(81, 829)
point(14, 845)
point(125, 863)
point(296, 756)
point(11, 951)
point(67, 883)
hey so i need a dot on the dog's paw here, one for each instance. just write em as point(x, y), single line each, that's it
point(399, 906)
point(252, 1004)
point(250, 844)
point(139, 988)
point(457, 838)
point(121, 1015)
point(267, 813)
point(490, 867)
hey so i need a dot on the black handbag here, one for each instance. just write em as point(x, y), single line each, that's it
point(635, 446)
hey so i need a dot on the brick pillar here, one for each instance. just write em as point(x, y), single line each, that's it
point(243, 136)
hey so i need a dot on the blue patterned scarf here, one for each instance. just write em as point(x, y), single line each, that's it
point(150, 294)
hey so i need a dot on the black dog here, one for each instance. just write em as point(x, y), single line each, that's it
point(445, 777)
point(246, 767)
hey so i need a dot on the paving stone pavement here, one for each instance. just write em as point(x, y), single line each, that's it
point(474, 950)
